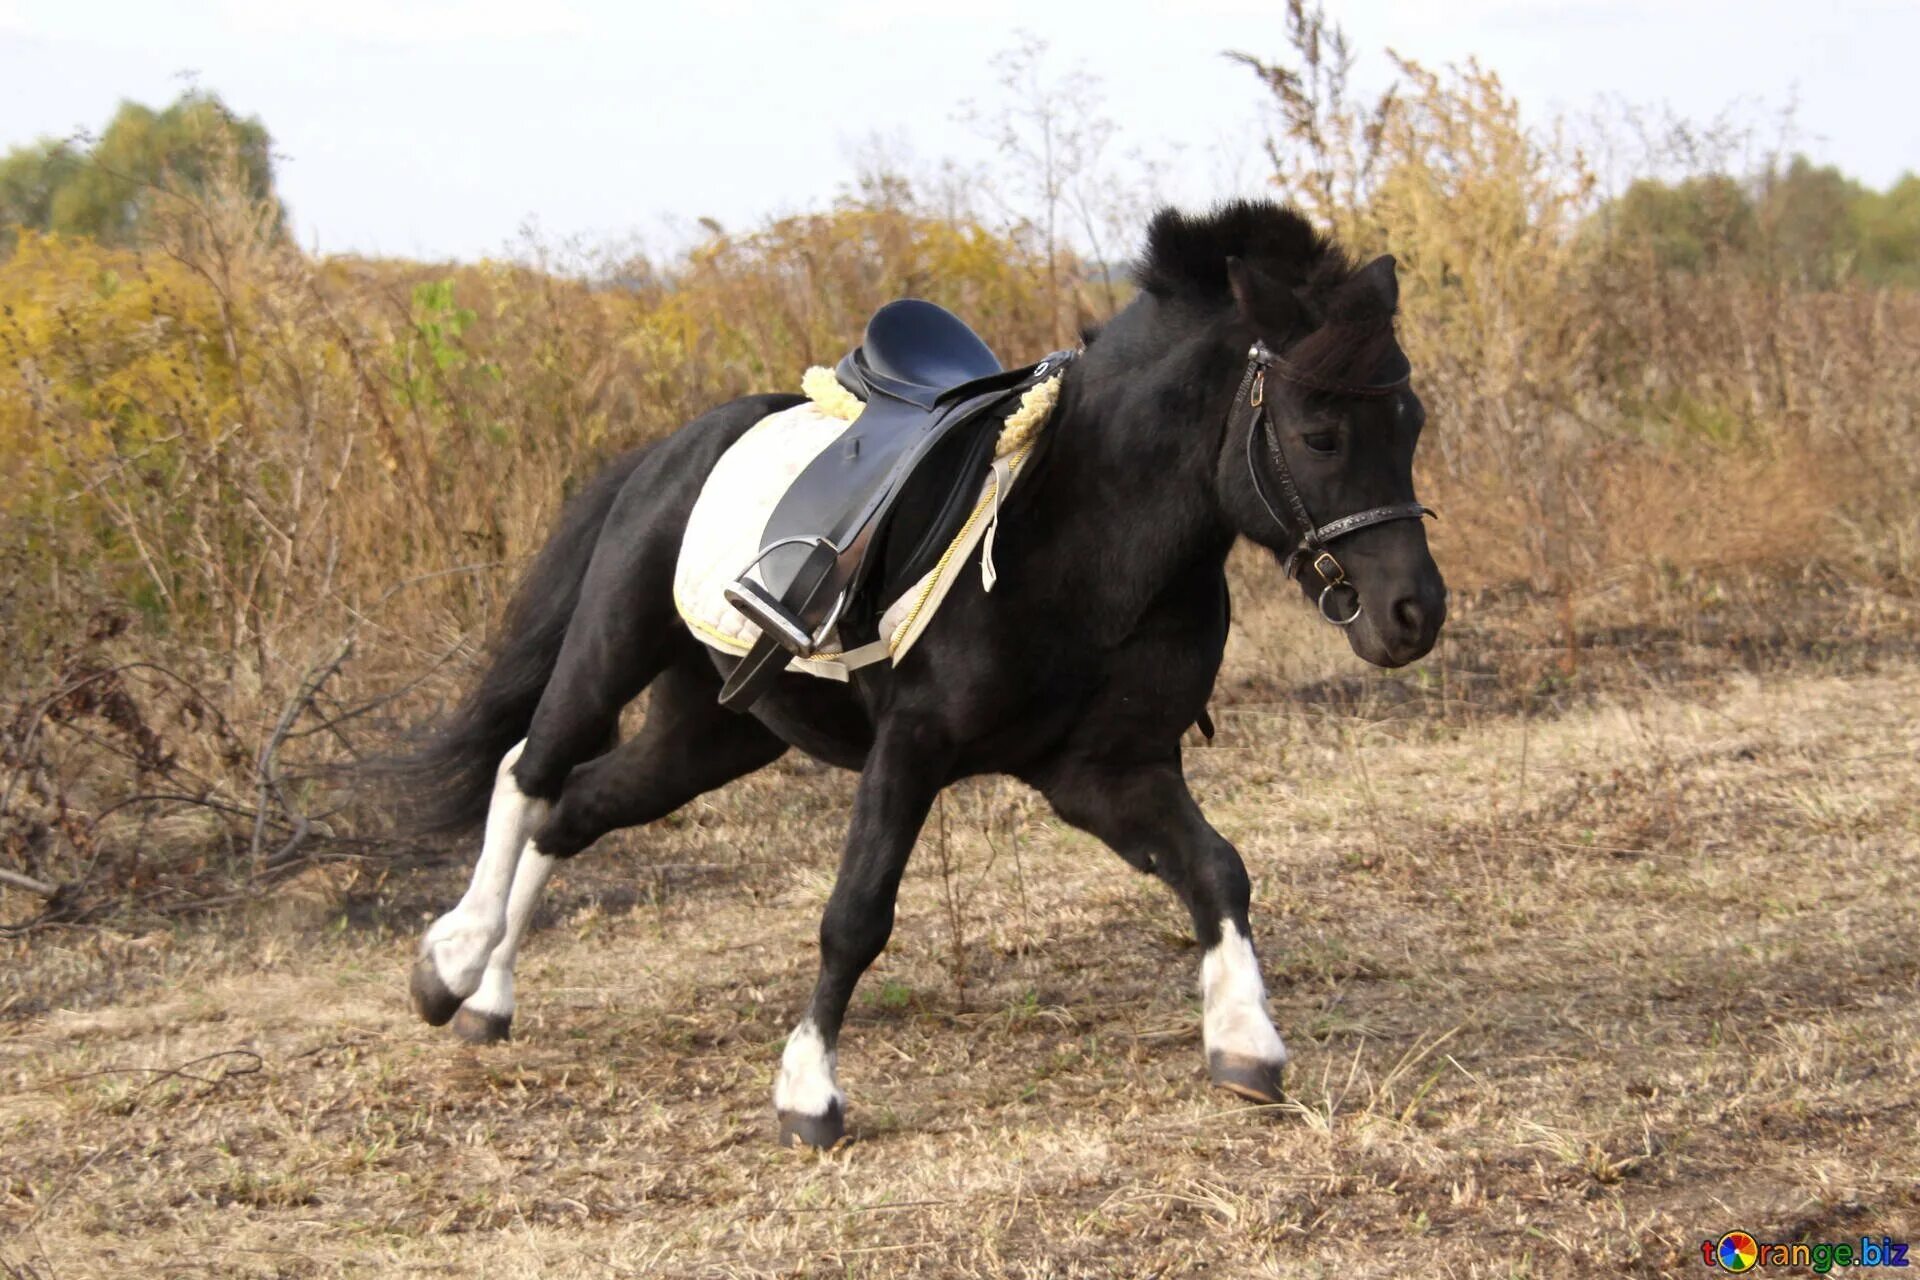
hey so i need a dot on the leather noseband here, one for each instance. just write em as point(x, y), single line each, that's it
point(1314, 541)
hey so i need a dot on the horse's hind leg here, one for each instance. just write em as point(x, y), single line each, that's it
point(688, 745)
point(621, 635)
point(486, 1016)
point(454, 952)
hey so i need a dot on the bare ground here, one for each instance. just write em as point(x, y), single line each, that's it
point(1573, 981)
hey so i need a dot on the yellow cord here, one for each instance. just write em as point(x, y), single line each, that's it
point(939, 570)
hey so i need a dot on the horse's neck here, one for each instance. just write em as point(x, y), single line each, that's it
point(1128, 500)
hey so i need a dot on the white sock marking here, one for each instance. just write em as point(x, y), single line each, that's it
point(495, 996)
point(459, 942)
point(1236, 1020)
point(805, 1085)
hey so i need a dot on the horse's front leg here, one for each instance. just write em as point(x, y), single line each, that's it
point(1146, 814)
point(904, 772)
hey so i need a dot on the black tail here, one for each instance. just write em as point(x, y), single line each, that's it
point(449, 779)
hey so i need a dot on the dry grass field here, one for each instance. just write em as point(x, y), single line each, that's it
point(1577, 970)
point(1593, 935)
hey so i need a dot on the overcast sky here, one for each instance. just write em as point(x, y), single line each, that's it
point(437, 128)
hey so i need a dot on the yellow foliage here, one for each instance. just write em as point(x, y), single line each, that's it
point(115, 357)
point(1481, 218)
point(232, 437)
point(794, 292)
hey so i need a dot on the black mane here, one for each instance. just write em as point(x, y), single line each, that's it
point(1344, 334)
point(1186, 254)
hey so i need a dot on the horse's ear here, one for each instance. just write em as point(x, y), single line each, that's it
point(1240, 280)
point(1372, 292)
point(1264, 305)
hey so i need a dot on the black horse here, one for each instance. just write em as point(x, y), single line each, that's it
point(1251, 389)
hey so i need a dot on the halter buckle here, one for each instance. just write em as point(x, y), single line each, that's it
point(1329, 569)
point(1259, 390)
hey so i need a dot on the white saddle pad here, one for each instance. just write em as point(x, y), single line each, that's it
point(723, 534)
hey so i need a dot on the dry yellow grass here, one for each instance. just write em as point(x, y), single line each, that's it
point(1567, 992)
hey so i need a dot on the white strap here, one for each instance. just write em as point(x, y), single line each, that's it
point(989, 575)
point(864, 655)
point(841, 666)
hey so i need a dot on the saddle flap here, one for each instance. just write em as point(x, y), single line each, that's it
point(842, 495)
point(870, 512)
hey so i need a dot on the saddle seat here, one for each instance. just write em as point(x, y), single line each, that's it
point(915, 351)
point(873, 511)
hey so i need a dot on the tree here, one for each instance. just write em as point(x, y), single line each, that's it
point(1055, 136)
point(1805, 214)
point(1887, 230)
point(142, 165)
point(1689, 225)
point(1806, 225)
point(30, 177)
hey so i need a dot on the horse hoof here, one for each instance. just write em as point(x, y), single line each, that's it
point(432, 999)
point(482, 1028)
point(1252, 1079)
point(822, 1133)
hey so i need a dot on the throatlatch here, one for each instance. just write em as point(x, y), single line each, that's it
point(1314, 539)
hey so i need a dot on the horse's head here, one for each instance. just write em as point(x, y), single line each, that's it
point(1316, 455)
point(1322, 438)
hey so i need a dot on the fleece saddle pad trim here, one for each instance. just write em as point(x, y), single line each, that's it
point(723, 532)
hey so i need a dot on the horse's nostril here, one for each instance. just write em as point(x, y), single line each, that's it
point(1409, 613)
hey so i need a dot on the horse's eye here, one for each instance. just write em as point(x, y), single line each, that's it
point(1323, 442)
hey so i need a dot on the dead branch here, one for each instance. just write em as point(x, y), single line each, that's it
point(28, 883)
point(270, 786)
point(251, 1064)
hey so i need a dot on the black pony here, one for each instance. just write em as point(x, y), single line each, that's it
point(1253, 388)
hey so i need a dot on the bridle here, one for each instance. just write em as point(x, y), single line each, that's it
point(1313, 547)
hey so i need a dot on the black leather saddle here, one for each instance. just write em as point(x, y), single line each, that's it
point(874, 511)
